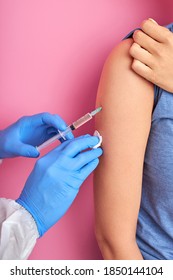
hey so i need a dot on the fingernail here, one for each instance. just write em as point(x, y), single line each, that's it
point(153, 20)
point(37, 153)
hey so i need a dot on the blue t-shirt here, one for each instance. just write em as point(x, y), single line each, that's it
point(155, 220)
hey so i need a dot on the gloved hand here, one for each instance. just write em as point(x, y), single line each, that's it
point(55, 180)
point(20, 138)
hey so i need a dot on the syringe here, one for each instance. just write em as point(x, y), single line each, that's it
point(61, 134)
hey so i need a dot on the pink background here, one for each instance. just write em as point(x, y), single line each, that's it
point(51, 56)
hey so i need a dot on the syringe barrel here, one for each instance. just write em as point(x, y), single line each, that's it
point(82, 120)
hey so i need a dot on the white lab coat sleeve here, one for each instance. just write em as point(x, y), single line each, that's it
point(18, 231)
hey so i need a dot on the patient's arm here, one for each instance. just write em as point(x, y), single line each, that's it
point(124, 123)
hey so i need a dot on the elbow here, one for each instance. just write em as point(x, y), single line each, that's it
point(117, 246)
point(107, 244)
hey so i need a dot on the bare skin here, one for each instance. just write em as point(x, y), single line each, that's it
point(124, 123)
point(152, 51)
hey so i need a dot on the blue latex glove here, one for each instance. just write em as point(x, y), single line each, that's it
point(55, 180)
point(20, 138)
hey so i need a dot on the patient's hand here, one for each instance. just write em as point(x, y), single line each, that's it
point(152, 51)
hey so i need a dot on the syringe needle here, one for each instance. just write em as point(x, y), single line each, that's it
point(93, 113)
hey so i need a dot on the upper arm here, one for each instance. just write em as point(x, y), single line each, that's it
point(124, 123)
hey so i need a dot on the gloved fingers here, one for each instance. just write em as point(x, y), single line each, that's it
point(89, 168)
point(26, 150)
point(51, 132)
point(62, 148)
point(51, 120)
point(80, 144)
point(57, 150)
point(73, 139)
point(84, 158)
point(58, 123)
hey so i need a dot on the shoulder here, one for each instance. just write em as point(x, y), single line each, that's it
point(119, 80)
point(122, 49)
point(119, 57)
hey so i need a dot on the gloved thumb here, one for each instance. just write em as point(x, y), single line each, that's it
point(28, 151)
